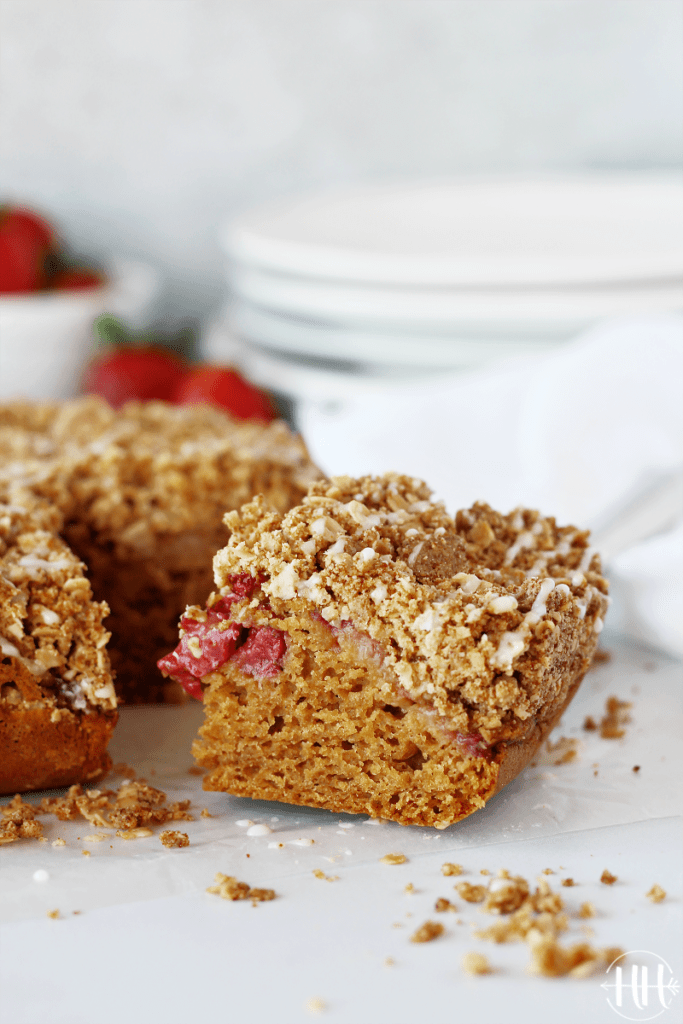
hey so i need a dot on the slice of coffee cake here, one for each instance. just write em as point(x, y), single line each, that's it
point(367, 653)
point(143, 491)
point(57, 701)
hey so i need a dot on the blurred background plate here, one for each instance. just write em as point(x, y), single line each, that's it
point(423, 278)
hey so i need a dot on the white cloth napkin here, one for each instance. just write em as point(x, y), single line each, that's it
point(575, 433)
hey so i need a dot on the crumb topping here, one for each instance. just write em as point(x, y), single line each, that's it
point(457, 609)
point(141, 470)
point(51, 635)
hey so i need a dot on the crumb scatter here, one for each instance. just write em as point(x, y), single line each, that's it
point(475, 963)
point(427, 932)
point(451, 869)
point(471, 893)
point(393, 858)
point(228, 888)
point(174, 840)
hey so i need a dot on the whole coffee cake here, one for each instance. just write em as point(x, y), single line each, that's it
point(366, 652)
point(142, 492)
point(57, 700)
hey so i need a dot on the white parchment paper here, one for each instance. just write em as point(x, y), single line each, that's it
point(598, 788)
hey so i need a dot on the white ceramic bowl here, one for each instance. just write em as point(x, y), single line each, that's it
point(46, 338)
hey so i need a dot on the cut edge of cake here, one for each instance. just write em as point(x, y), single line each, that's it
point(57, 699)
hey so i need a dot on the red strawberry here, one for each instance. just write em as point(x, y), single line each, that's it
point(77, 279)
point(225, 388)
point(126, 373)
point(25, 241)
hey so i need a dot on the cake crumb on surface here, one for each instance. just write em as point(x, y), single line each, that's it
point(564, 750)
point(174, 840)
point(393, 858)
point(636, 768)
point(615, 718)
point(451, 869)
point(228, 888)
point(205, 813)
point(194, 769)
point(506, 895)
point(129, 809)
point(471, 893)
point(656, 894)
point(18, 821)
point(567, 882)
point(409, 888)
point(589, 724)
point(607, 878)
point(315, 1005)
point(587, 909)
point(524, 913)
point(123, 769)
point(442, 904)
point(134, 833)
point(86, 853)
point(475, 963)
point(389, 961)
point(54, 914)
point(327, 878)
point(552, 960)
point(427, 932)
point(59, 841)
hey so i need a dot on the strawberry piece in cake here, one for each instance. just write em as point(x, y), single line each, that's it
point(386, 658)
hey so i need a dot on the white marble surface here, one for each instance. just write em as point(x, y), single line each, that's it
point(142, 125)
point(177, 953)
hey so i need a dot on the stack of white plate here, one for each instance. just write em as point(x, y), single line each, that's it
point(337, 293)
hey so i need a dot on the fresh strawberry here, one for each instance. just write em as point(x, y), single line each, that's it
point(25, 242)
point(225, 388)
point(77, 279)
point(126, 373)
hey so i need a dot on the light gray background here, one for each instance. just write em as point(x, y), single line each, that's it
point(141, 125)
